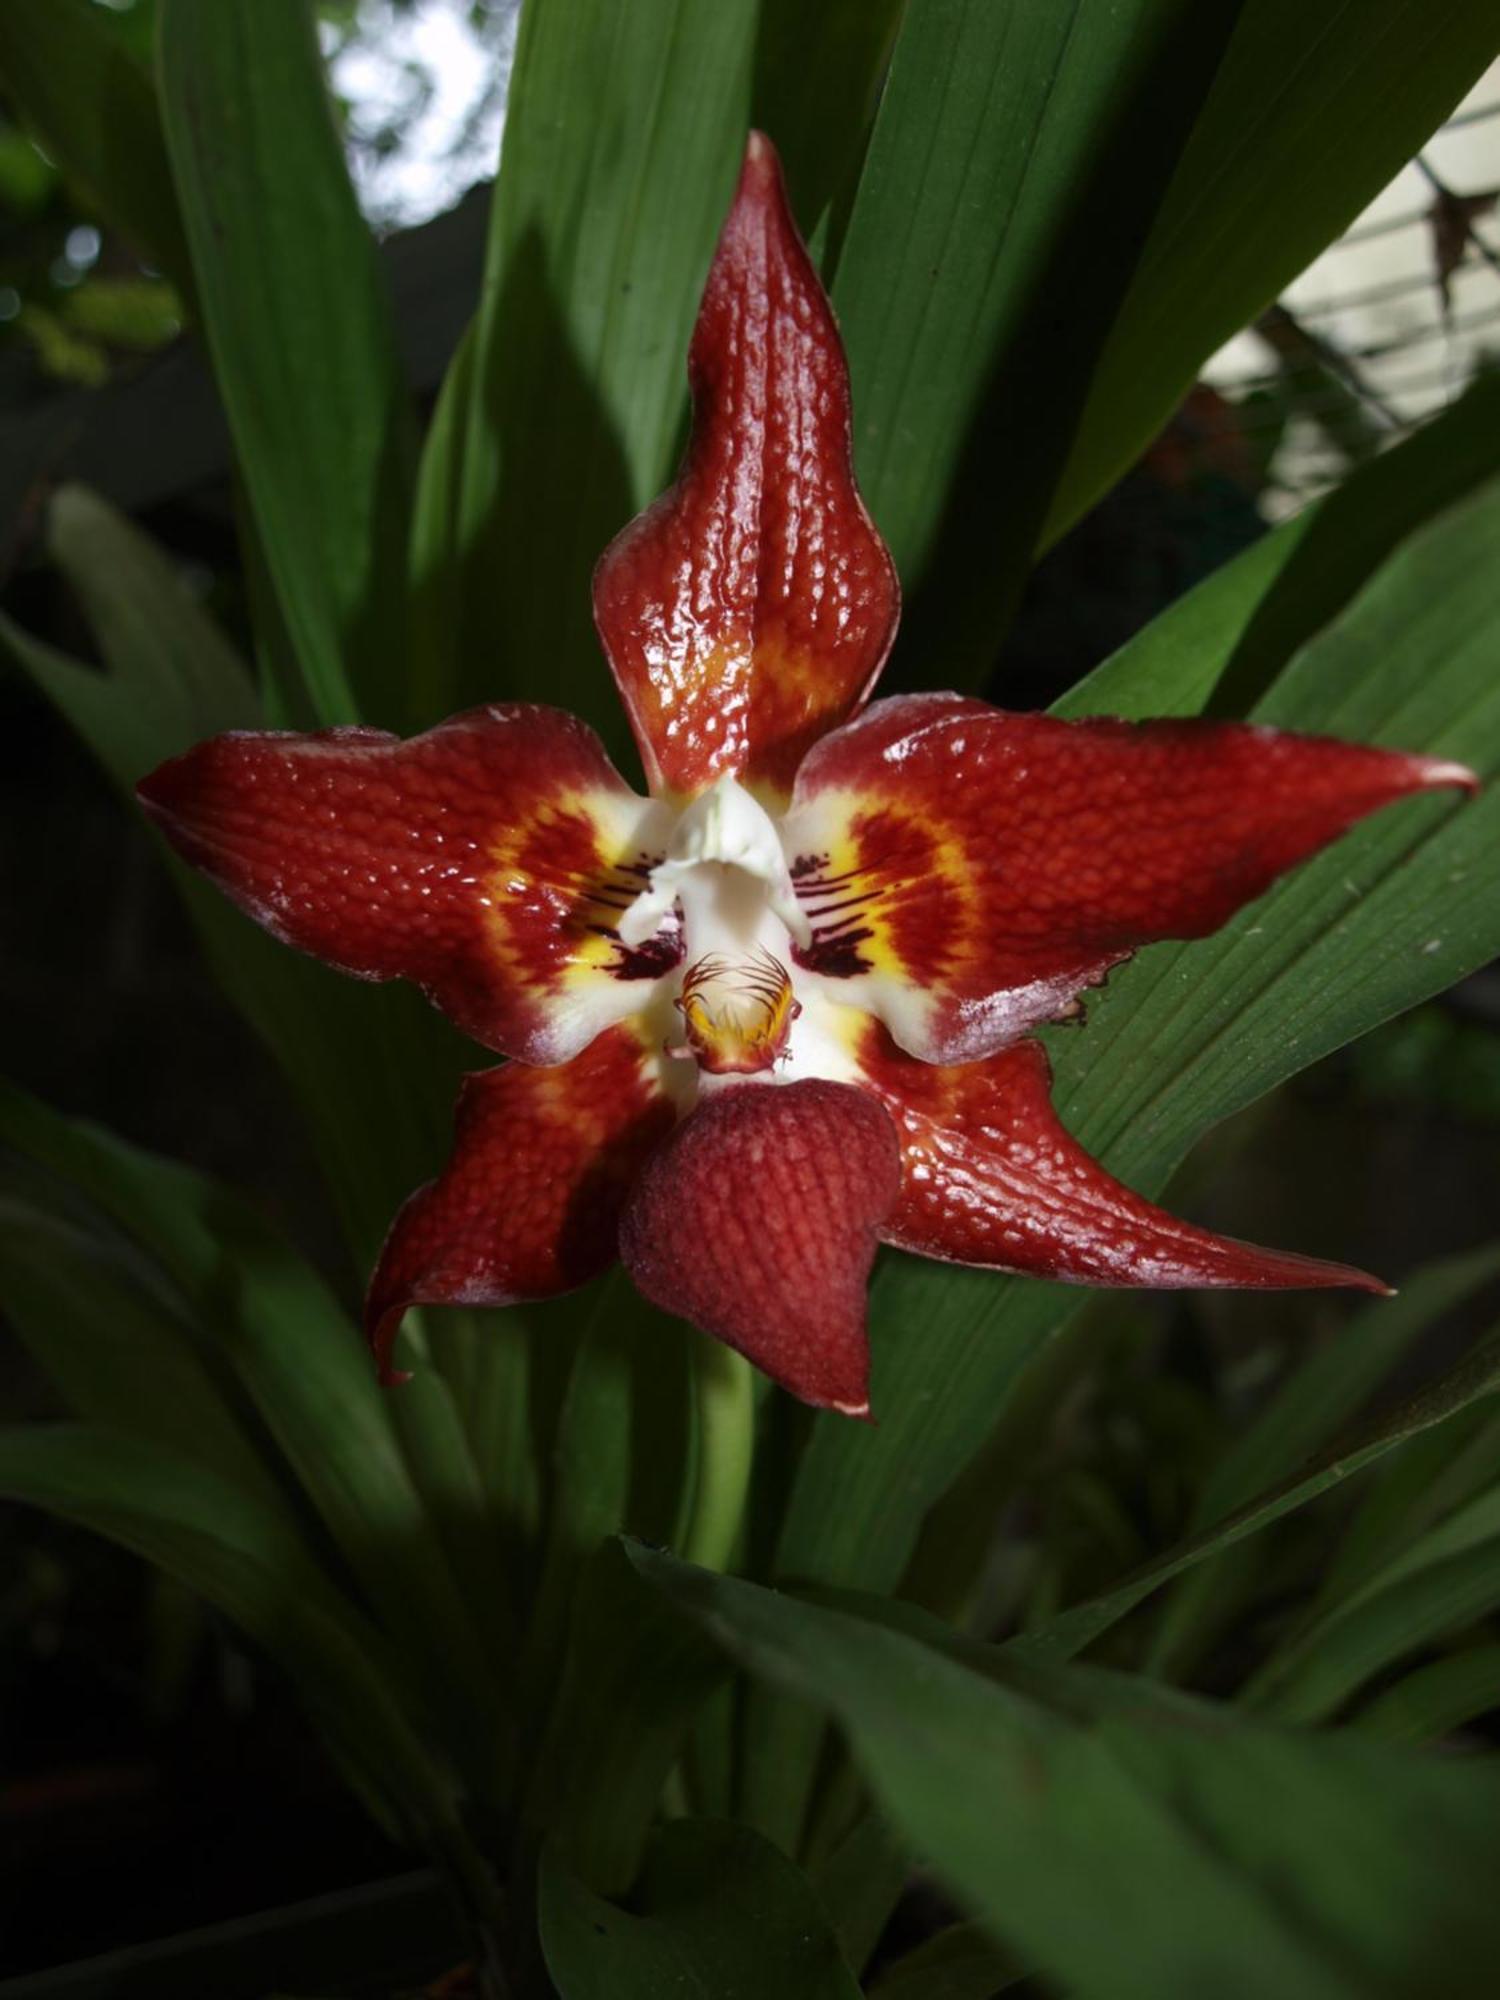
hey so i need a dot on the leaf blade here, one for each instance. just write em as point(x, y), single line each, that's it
point(299, 325)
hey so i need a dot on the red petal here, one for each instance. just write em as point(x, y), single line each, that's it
point(486, 860)
point(752, 607)
point(529, 1202)
point(970, 871)
point(991, 1177)
point(757, 1221)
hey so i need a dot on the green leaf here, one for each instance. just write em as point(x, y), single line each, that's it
point(719, 1912)
point(437, 536)
point(173, 677)
point(963, 1963)
point(1422, 1485)
point(1019, 156)
point(1477, 1375)
point(1327, 1391)
point(1444, 1582)
point(1316, 1401)
point(590, 1466)
point(801, 56)
point(1222, 644)
point(273, 1323)
point(1266, 180)
point(201, 1530)
point(1435, 1700)
point(635, 1673)
point(93, 108)
point(118, 1352)
point(1021, 1790)
point(860, 1879)
point(299, 327)
point(374, 1068)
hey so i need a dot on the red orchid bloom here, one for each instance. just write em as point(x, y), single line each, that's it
point(778, 1011)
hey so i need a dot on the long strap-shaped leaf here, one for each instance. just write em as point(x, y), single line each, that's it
point(718, 1911)
point(299, 326)
point(1019, 157)
point(1056, 1803)
point(1476, 1376)
point(1317, 1400)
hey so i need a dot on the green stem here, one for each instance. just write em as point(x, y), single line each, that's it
point(724, 1401)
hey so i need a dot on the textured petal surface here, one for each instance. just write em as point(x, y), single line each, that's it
point(757, 1221)
point(529, 1202)
point(991, 1177)
point(488, 861)
point(751, 608)
point(968, 872)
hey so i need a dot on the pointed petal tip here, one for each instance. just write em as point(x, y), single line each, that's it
point(1295, 1270)
point(383, 1315)
point(1441, 773)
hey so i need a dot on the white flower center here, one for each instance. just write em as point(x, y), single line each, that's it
point(726, 867)
point(737, 1014)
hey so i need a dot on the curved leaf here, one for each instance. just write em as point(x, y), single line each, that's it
point(720, 1914)
point(298, 323)
point(1018, 159)
point(1058, 1804)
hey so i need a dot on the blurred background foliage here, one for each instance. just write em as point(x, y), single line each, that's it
point(133, 1717)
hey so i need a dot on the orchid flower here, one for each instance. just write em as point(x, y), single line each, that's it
point(778, 1011)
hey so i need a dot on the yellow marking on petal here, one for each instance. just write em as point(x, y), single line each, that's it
point(889, 892)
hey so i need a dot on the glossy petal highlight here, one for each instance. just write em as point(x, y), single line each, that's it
point(991, 1177)
point(529, 1202)
point(488, 861)
point(757, 1221)
point(968, 872)
point(752, 607)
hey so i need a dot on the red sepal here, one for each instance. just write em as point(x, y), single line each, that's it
point(486, 860)
point(971, 871)
point(757, 1221)
point(752, 607)
point(529, 1203)
point(991, 1177)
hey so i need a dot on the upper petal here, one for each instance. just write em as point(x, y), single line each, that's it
point(991, 1177)
point(752, 607)
point(529, 1202)
point(757, 1221)
point(968, 871)
point(488, 860)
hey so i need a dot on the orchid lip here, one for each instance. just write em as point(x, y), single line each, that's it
point(737, 1014)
